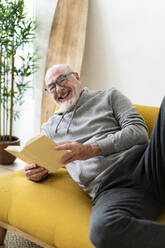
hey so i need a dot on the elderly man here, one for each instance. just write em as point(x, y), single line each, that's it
point(110, 158)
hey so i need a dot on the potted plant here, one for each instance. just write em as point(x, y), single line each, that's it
point(17, 64)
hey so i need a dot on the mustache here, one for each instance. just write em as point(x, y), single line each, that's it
point(63, 93)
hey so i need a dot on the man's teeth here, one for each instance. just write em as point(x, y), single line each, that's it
point(62, 96)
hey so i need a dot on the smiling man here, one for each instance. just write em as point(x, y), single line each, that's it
point(109, 156)
point(64, 85)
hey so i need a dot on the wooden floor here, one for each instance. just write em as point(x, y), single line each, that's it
point(4, 227)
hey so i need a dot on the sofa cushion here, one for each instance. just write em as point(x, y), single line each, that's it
point(149, 114)
point(55, 211)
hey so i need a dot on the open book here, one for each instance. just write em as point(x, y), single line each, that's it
point(40, 150)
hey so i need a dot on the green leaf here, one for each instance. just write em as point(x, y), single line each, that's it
point(16, 30)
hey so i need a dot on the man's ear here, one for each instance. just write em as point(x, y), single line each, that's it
point(77, 76)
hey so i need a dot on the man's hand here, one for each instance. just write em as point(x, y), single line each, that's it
point(35, 172)
point(77, 151)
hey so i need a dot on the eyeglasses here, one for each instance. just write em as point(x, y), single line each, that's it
point(61, 81)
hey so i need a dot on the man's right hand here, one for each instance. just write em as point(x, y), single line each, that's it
point(35, 172)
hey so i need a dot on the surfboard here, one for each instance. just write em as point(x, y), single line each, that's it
point(66, 43)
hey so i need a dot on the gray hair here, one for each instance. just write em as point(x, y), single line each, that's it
point(59, 67)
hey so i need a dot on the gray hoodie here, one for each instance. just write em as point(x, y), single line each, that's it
point(106, 117)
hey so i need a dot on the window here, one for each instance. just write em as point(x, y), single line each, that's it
point(24, 126)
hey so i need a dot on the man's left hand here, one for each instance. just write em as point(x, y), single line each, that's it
point(77, 151)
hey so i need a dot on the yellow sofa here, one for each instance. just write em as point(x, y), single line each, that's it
point(53, 213)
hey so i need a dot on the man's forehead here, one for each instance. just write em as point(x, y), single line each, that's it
point(55, 75)
point(60, 70)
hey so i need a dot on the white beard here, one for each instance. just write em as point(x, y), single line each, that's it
point(69, 104)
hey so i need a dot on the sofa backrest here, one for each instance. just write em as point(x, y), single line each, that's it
point(149, 114)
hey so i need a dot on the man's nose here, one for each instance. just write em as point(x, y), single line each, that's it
point(58, 88)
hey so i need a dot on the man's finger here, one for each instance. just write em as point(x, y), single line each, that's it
point(69, 161)
point(63, 142)
point(66, 157)
point(64, 147)
point(37, 175)
point(34, 171)
point(30, 166)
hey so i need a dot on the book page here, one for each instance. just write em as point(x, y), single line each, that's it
point(20, 155)
point(40, 150)
point(32, 139)
point(14, 148)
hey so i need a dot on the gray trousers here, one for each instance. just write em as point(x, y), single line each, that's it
point(132, 197)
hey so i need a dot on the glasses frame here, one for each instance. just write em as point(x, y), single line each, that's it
point(64, 76)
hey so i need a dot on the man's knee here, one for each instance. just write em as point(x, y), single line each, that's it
point(109, 231)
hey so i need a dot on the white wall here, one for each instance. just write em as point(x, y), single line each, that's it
point(125, 48)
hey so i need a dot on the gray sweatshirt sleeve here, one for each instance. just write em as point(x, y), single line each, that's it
point(133, 130)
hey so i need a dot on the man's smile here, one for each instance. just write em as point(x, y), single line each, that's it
point(64, 95)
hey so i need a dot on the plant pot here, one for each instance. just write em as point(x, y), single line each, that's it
point(5, 157)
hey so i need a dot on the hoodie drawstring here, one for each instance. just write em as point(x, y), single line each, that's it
point(60, 121)
point(74, 111)
point(71, 119)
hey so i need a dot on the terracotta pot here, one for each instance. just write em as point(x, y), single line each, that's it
point(5, 157)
